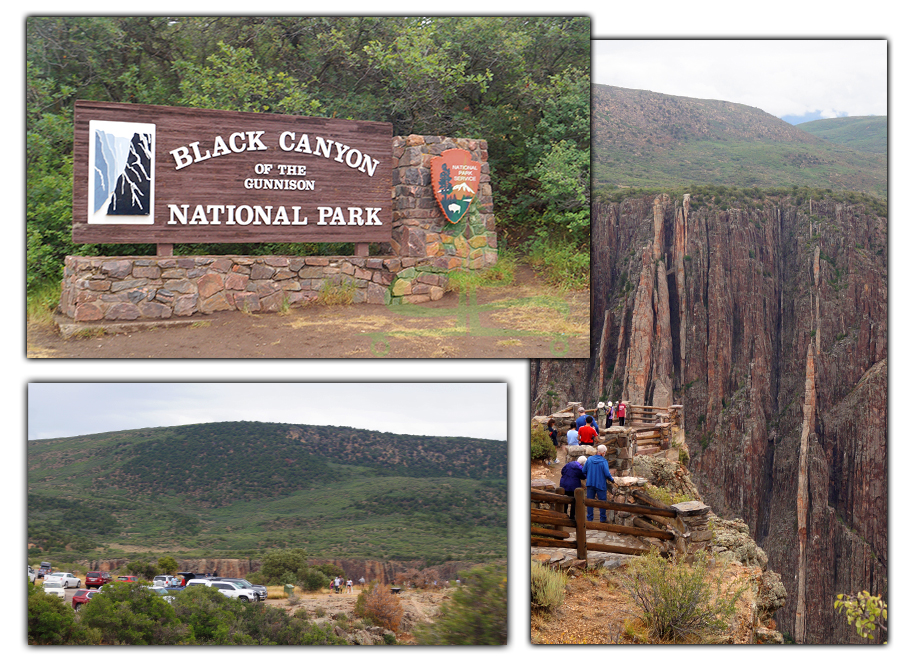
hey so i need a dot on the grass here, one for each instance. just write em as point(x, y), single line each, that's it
point(335, 293)
point(503, 273)
point(42, 303)
point(561, 264)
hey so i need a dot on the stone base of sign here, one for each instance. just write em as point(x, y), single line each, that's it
point(124, 288)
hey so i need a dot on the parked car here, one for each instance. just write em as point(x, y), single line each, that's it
point(166, 581)
point(227, 589)
point(65, 580)
point(32, 574)
point(97, 578)
point(82, 596)
point(126, 578)
point(54, 590)
point(44, 570)
point(262, 591)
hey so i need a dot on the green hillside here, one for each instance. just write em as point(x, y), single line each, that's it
point(863, 133)
point(245, 487)
point(642, 139)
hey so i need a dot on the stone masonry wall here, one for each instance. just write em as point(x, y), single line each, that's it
point(424, 248)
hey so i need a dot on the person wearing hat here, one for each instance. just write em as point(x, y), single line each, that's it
point(570, 479)
point(610, 414)
point(596, 470)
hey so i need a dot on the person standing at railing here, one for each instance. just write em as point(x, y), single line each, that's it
point(622, 409)
point(570, 479)
point(610, 414)
point(596, 470)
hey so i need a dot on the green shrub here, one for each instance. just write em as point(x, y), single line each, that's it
point(475, 614)
point(128, 613)
point(51, 620)
point(314, 580)
point(541, 446)
point(562, 264)
point(666, 496)
point(678, 602)
point(548, 587)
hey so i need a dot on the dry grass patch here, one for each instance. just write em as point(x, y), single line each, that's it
point(541, 316)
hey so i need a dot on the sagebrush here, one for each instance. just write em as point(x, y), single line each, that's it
point(680, 601)
point(548, 587)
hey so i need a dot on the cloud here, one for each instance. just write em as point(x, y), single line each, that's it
point(781, 77)
point(452, 409)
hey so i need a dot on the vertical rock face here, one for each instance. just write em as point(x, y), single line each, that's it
point(769, 324)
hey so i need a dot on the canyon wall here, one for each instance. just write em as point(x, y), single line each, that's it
point(769, 324)
point(383, 572)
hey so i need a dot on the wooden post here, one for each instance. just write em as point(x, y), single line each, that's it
point(362, 249)
point(165, 249)
point(580, 530)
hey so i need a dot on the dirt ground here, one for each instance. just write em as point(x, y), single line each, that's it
point(596, 610)
point(524, 320)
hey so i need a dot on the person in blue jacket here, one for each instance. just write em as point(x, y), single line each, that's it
point(570, 479)
point(596, 470)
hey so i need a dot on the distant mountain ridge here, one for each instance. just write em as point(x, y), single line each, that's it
point(642, 139)
point(863, 133)
point(251, 486)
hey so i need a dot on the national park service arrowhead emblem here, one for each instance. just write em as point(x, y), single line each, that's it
point(454, 178)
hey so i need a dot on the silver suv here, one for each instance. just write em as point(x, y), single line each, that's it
point(227, 589)
point(261, 591)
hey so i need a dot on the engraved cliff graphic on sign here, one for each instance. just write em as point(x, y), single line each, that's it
point(454, 178)
point(121, 175)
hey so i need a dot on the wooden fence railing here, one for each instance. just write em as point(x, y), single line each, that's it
point(557, 537)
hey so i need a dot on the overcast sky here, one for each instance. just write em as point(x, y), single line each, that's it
point(454, 409)
point(781, 77)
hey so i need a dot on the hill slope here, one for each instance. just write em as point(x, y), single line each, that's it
point(863, 133)
point(247, 487)
point(642, 139)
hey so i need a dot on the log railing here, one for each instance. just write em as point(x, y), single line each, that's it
point(557, 537)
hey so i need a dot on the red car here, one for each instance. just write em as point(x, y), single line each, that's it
point(97, 579)
point(126, 578)
point(82, 596)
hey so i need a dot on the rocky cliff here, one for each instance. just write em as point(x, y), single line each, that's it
point(769, 324)
point(383, 572)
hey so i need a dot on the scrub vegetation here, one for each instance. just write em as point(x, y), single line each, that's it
point(240, 489)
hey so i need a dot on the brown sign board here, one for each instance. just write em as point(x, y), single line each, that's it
point(146, 173)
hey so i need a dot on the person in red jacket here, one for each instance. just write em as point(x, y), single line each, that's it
point(587, 432)
point(622, 407)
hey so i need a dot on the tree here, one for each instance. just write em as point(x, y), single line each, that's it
point(283, 565)
point(476, 613)
point(864, 612)
point(167, 565)
point(129, 613)
point(51, 620)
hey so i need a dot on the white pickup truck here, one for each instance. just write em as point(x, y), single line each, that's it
point(227, 589)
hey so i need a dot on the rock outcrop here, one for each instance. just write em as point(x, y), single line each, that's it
point(775, 321)
point(383, 572)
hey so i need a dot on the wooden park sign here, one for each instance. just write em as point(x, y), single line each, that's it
point(144, 173)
